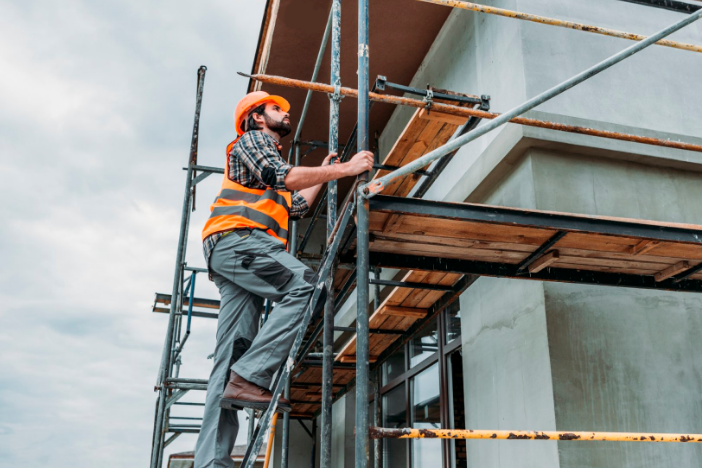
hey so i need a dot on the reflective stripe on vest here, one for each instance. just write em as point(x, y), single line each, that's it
point(238, 207)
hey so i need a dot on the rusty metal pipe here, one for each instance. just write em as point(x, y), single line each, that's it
point(560, 23)
point(409, 433)
point(467, 112)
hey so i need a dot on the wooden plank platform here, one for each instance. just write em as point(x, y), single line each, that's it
point(505, 236)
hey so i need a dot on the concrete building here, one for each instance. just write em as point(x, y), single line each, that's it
point(530, 355)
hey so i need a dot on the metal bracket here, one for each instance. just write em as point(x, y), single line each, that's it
point(380, 82)
point(201, 177)
point(485, 102)
point(429, 98)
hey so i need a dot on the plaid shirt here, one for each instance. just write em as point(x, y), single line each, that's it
point(255, 162)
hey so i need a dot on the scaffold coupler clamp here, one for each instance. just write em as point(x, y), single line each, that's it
point(428, 99)
point(336, 95)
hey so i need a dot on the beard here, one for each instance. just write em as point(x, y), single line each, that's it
point(280, 127)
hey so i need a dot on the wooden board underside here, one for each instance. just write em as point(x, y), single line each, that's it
point(511, 244)
point(414, 299)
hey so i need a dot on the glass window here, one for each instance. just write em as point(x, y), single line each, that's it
point(424, 344)
point(394, 416)
point(394, 366)
point(426, 414)
point(453, 321)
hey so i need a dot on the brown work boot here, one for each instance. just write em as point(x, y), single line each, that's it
point(240, 393)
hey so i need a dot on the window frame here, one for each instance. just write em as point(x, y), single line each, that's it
point(441, 355)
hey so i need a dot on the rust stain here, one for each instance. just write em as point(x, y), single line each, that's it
point(568, 436)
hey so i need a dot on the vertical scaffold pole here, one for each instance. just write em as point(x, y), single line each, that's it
point(362, 262)
point(328, 338)
point(285, 432)
point(166, 363)
point(376, 381)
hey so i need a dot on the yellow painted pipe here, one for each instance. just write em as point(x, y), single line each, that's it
point(271, 438)
point(560, 23)
point(409, 433)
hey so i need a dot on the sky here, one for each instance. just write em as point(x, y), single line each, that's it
point(96, 115)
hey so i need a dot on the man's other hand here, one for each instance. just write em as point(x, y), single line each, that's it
point(328, 159)
point(360, 163)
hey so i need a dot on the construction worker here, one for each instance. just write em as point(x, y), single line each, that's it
point(244, 243)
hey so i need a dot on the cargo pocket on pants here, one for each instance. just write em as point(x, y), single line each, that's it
point(268, 269)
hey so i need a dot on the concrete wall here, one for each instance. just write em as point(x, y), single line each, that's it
point(622, 359)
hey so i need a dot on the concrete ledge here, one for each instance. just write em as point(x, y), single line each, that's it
point(512, 141)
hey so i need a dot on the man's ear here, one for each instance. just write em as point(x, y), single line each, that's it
point(258, 118)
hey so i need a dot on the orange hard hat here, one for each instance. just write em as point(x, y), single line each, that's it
point(250, 102)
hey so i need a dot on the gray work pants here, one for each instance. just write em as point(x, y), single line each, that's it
point(248, 266)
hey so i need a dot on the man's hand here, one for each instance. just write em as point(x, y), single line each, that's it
point(359, 163)
point(328, 159)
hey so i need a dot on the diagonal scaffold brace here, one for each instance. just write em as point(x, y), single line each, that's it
point(265, 422)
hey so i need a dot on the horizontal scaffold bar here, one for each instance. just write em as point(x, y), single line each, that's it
point(409, 433)
point(468, 112)
point(560, 23)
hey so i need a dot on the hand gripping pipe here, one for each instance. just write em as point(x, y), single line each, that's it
point(560, 23)
point(376, 186)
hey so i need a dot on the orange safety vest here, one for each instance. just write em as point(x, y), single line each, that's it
point(239, 207)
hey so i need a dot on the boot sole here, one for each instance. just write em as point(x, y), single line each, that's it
point(228, 403)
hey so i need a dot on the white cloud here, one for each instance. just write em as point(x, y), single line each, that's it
point(96, 103)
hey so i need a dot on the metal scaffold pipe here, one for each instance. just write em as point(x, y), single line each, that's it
point(467, 112)
point(166, 358)
point(363, 242)
point(315, 72)
point(409, 433)
point(325, 451)
point(560, 23)
point(376, 186)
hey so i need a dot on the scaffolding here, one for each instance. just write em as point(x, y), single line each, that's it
point(390, 217)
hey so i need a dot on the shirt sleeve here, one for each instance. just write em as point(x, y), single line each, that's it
point(299, 206)
point(259, 154)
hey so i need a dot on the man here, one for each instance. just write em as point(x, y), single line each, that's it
point(244, 242)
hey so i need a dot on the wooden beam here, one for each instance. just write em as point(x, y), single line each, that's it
point(392, 223)
point(404, 311)
point(442, 117)
point(671, 271)
point(544, 261)
point(352, 358)
point(644, 246)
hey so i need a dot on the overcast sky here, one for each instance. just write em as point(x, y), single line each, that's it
point(96, 112)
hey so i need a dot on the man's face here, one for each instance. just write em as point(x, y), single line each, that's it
point(277, 120)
